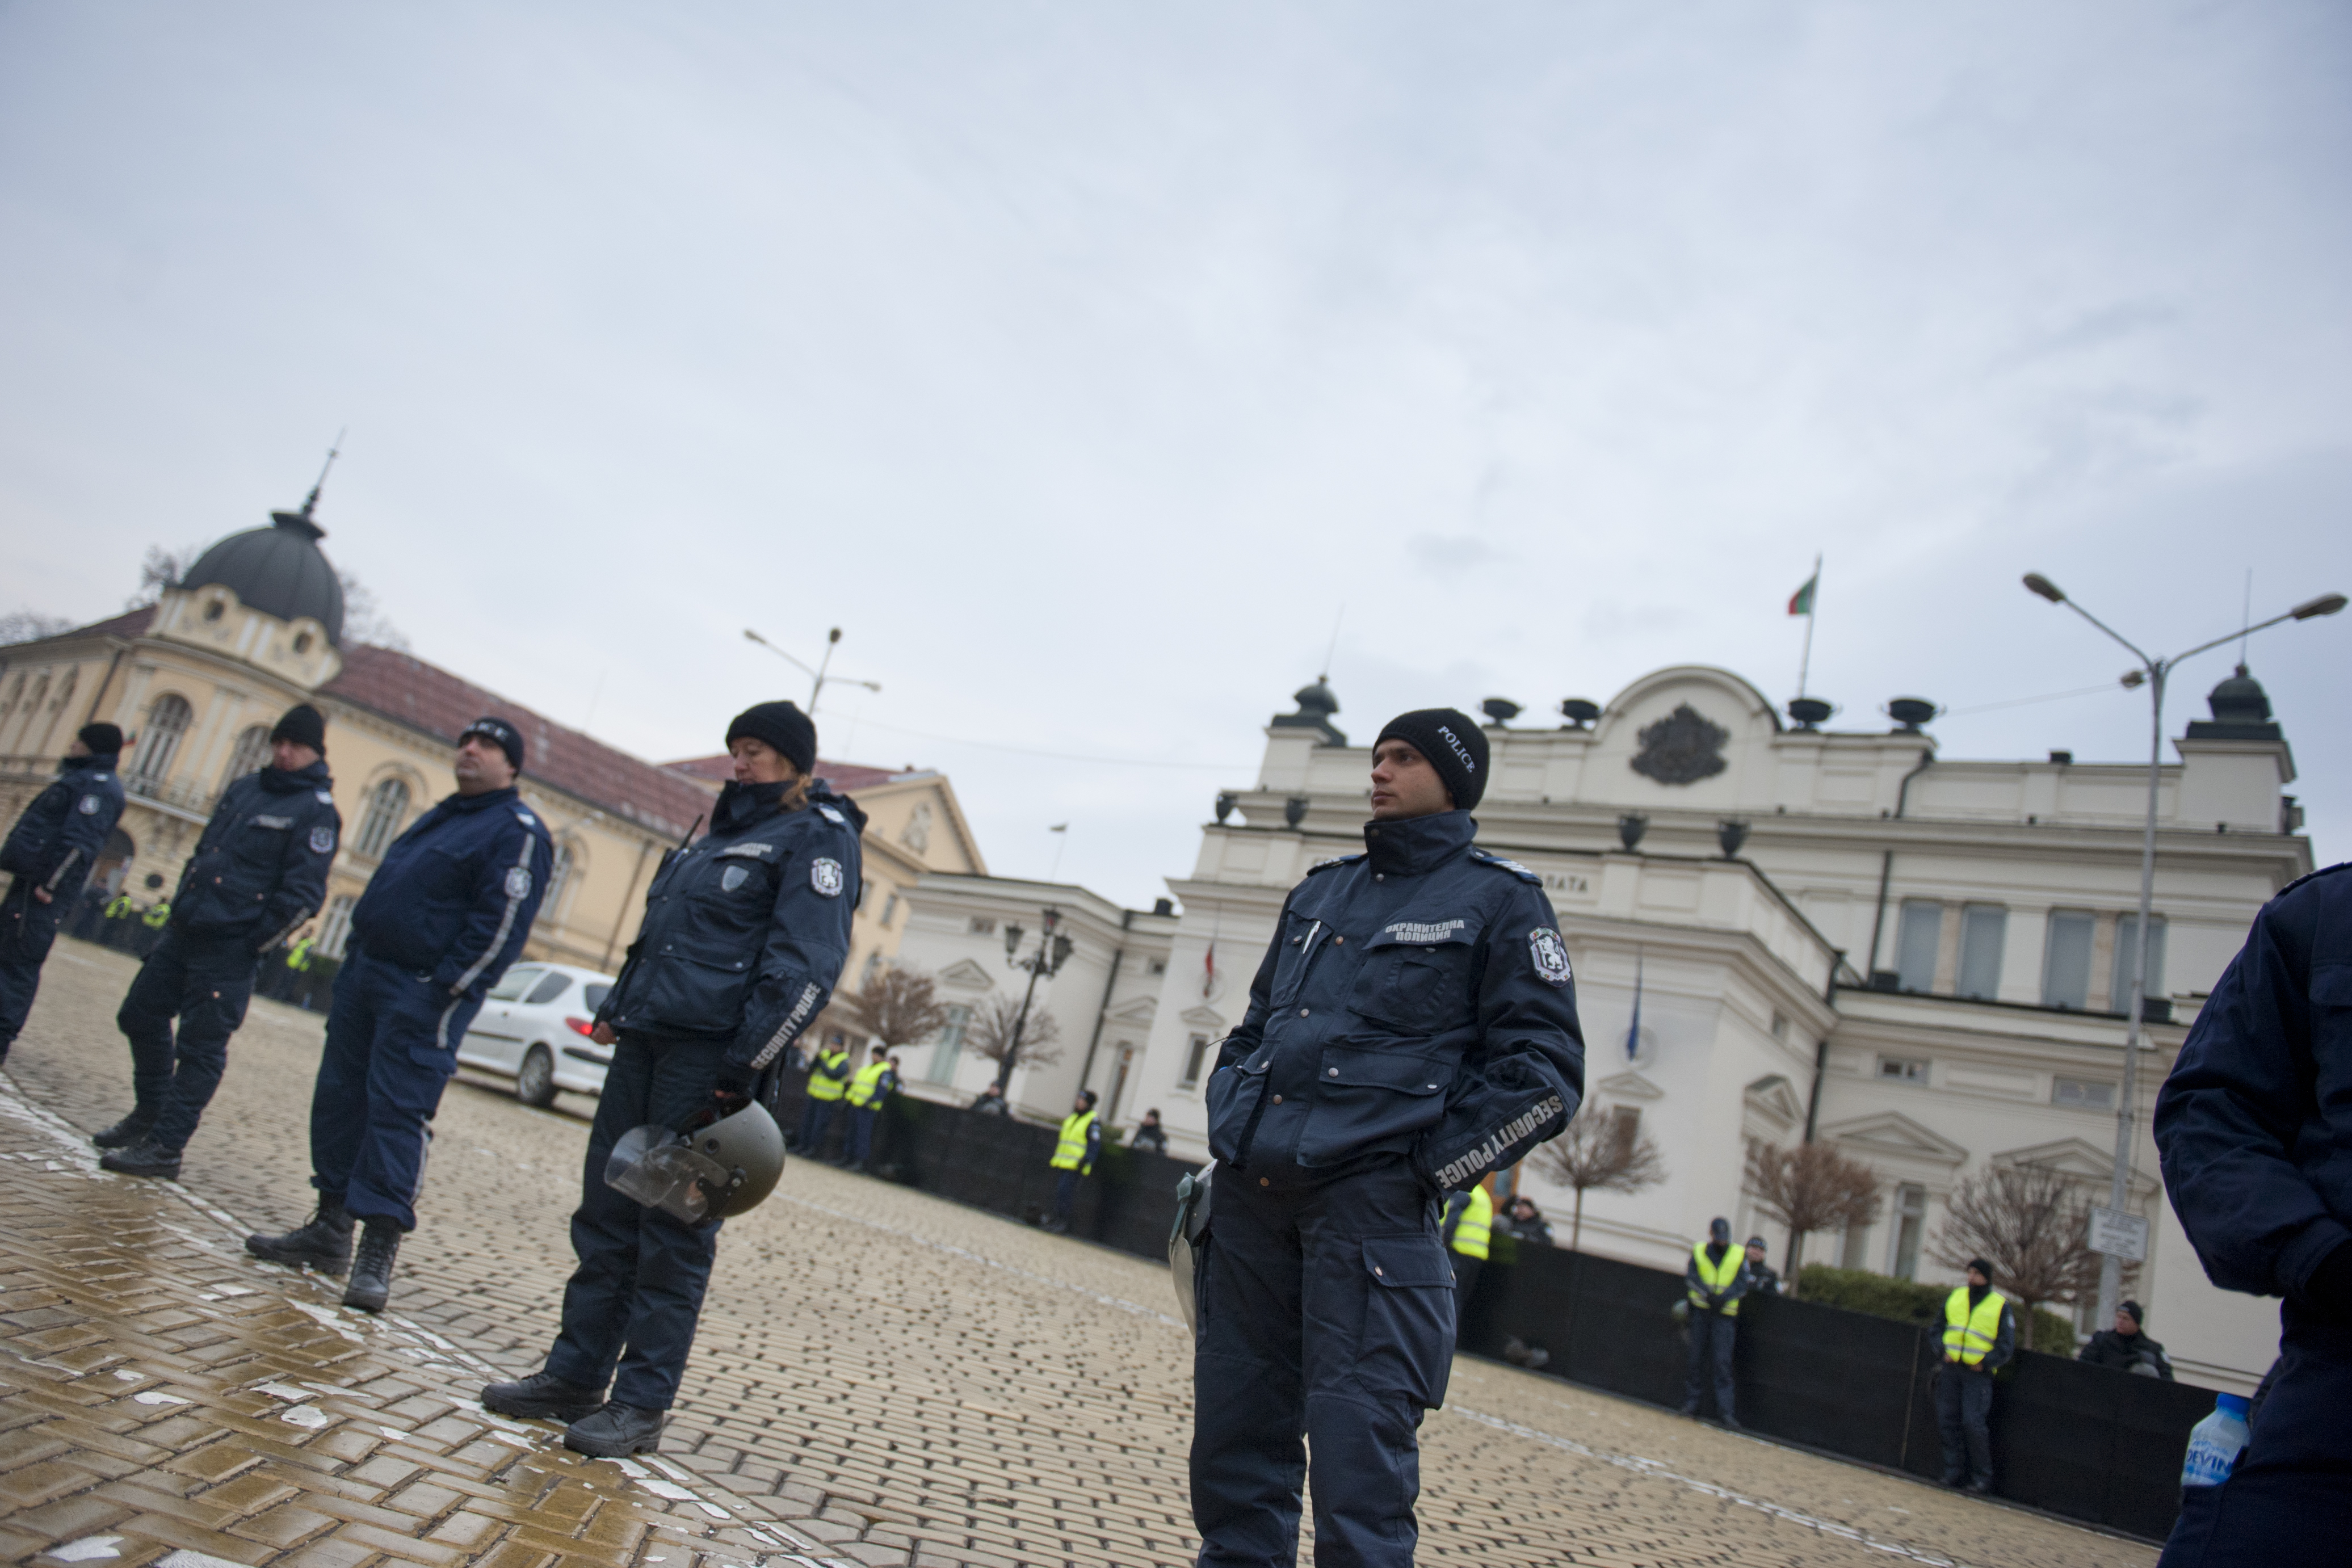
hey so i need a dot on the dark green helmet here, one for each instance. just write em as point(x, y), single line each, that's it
point(714, 1171)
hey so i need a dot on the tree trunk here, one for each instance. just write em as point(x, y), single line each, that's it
point(1796, 1259)
point(1576, 1226)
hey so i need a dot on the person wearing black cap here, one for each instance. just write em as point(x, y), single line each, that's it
point(1412, 1027)
point(2253, 1128)
point(745, 932)
point(258, 874)
point(1713, 1281)
point(2126, 1347)
point(47, 856)
point(1763, 1279)
point(447, 911)
point(1979, 1338)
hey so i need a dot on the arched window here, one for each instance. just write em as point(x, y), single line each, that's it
point(558, 878)
point(167, 721)
point(387, 807)
point(251, 755)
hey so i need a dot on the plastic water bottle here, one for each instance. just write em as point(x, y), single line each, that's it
point(2215, 1443)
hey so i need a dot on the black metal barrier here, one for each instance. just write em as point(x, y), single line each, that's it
point(310, 988)
point(2087, 1442)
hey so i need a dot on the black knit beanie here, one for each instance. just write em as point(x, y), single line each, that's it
point(103, 740)
point(2138, 1314)
point(1453, 744)
point(305, 725)
point(788, 732)
point(1981, 1267)
point(504, 736)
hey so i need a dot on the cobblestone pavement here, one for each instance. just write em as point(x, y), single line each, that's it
point(882, 1377)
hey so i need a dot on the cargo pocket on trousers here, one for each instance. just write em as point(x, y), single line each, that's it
point(1407, 1343)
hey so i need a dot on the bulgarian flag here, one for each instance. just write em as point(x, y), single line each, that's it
point(1802, 601)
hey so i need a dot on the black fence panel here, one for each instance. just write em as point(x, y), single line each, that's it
point(2087, 1442)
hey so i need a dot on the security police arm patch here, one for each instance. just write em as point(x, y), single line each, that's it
point(322, 841)
point(1550, 955)
point(89, 805)
point(825, 876)
point(519, 883)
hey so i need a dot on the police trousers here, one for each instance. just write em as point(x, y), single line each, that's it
point(392, 1048)
point(1326, 1314)
point(816, 1121)
point(1964, 1420)
point(1712, 1336)
point(861, 1133)
point(205, 983)
point(27, 929)
point(636, 1296)
point(2290, 1499)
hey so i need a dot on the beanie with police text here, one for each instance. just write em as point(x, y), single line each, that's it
point(1452, 741)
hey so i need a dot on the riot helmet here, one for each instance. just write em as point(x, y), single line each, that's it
point(715, 1171)
point(1188, 1243)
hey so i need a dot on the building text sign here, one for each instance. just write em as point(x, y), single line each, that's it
point(2118, 1234)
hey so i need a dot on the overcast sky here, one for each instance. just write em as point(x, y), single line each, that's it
point(1081, 362)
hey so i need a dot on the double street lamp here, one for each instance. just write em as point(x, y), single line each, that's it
point(2152, 673)
point(1053, 952)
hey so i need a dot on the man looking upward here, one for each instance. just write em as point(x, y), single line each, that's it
point(1411, 1027)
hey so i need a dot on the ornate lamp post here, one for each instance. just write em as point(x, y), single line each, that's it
point(1053, 952)
point(2152, 673)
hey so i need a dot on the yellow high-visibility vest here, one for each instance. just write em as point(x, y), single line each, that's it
point(1071, 1152)
point(1969, 1336)
point(157, 915)
point(821, 1084)
point(1473, 1231)
point(1717, 1277)
point(866, 1088)
point(117, 906)
point(299, 956)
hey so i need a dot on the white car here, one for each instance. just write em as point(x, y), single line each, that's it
point(533, 1027)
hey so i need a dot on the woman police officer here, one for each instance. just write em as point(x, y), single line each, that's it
point(744, 933)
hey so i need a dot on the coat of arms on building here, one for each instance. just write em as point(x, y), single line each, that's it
point(1683, 747)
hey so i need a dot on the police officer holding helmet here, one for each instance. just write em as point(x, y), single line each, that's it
point(47, 855)
point(1411, 1027)
point(2254, 1130)
point(258, 874)
point(744, 933)
point(444, 913)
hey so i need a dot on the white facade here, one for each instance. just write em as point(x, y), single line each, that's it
point(1991, 899)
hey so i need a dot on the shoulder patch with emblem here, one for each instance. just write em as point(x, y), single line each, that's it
point(825, 876)
point(322, 840)
point(1550, 955)
point(1514, 867)
point(89, 805)
point(830, 815)
point(1335, 860)
point(518, 883)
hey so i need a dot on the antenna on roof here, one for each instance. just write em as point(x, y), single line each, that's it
point(1328, 654)
point(311, 503)
point(2246, 625)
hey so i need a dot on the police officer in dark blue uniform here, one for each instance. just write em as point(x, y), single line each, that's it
point(744, 933)
point(443, 915)
point(2254, 1130)
point(258, 872)
point(1411, 1027)
point(47, 855)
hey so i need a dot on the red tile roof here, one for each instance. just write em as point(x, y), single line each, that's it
point(844, 777)
point(130, 623)
point(406, 690)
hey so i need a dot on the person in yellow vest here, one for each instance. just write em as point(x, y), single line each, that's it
point(1468, 1230)
point(159, 914)
point(1073, 1156)
point(298, 956)
point(826, 1080)
point(1980, 1336)
point(1712, 1285)
point(875, 1082)
point(118, 906)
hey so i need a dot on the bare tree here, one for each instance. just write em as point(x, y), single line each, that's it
point(1608, 1152)
point(2031, 1223)
point(1810, 1187)
point(162, 569)
point(365, 620)
point(991, 1032)
point(31, 626)
point(899, 1006)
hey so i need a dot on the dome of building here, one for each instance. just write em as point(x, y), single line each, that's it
point(2240, 700)
point(279, 570)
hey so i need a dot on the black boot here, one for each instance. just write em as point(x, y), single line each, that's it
point(131, 1129)
point(615, 1432)
point(324, 1243)
point(542, 1394)
point(370, 1284)
point(142, 1159)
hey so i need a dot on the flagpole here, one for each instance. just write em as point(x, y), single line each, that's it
point(1813, 597)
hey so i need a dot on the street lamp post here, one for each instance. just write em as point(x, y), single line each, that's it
point(2153, 673)
point(819, 677)
point(1053, 952)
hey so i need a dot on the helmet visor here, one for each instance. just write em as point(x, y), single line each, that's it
point(655, 1165)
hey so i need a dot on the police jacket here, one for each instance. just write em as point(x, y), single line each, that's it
point(57, 838)
point(746, 929)
point(2108, 1348)
point(260, 869)
point(1700, 1294)
point(1415, 1000)
point(2254, 1127)
point(455, 896)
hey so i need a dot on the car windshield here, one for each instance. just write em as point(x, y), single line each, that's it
point(511, 985)
point(594, 993)
point(554, 986)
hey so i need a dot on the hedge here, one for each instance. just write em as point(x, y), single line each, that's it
point(1907, 1300)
